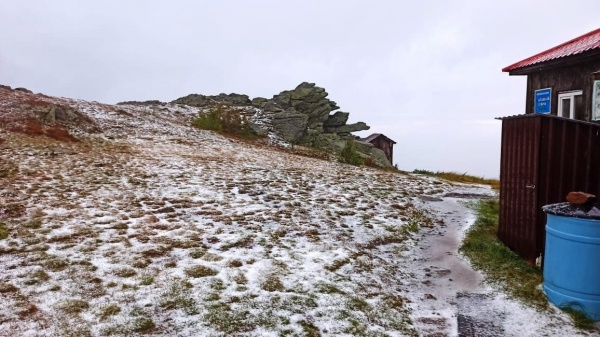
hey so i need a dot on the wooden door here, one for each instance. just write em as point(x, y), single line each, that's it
point(519, 184)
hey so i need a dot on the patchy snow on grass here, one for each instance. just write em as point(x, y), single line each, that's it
point(150, 227)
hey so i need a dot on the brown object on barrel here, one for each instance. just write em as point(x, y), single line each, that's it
point(581, 198)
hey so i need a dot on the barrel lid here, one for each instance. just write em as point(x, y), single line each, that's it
point(574, 211)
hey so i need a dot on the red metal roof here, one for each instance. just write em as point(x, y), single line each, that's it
point(576, 46)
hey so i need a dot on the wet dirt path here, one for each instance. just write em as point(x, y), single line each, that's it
point(444, 282)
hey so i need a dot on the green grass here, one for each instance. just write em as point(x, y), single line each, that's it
point(143, 325)
point(209, 121)
point(460, 177)
point(310, 330)
point(3, 231)
point(505, 268)
point(580, 319)
point(350, 155)
point(226, 120)
point(501, 265)
point(179, 296)
point(272, 283)
point(200, 271)
point(109, 310)
point(73, 306)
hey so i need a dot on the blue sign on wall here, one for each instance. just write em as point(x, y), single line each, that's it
point(543, 98)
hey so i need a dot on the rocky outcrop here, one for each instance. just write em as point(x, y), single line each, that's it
point(142, 103)
point(310, 100)
point(304, 116)
point(24, 90)
point(52, 114)
point(347, 129)
point(203, 101)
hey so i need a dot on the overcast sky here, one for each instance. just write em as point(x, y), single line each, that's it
point(425, 73)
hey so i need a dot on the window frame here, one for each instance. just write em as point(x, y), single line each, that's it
point(571, 96)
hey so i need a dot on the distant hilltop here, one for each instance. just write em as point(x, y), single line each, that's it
point(303, 116)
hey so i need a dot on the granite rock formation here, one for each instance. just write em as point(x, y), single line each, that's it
point(302, 116)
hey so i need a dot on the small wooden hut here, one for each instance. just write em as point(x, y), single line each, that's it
point(383, 143)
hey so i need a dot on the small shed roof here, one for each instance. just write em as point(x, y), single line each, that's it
point(377, 135)
point(579, 45)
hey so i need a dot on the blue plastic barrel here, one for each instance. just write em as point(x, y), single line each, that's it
point(572, 257)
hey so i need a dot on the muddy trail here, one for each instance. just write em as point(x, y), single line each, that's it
point(455, 299)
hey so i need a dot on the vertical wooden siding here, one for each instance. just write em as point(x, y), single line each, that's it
point(557, 156)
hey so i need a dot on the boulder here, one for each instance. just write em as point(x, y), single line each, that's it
point(266, 105)
point(290, 125)
point(141, 103)
point(330, 141)
point(308, 99)
point(24, 90)
point(363, 147)
point(348, 128)
point(56, 113)
point(339, 118)
point(259, 102)
point(5, 87)
point(380, 158)
point(232, 99)
point(258, 129)
point(206, 101)
point(194, 100)
point(308, 92)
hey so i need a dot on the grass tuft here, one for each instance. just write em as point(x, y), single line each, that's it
point(309, 329)
point(580, 319)
point(200, 271)
point(222, 318)
point(3, 231)
point(179, 296)
point(226, 120)
point(272, 283)
point(143, 325)
point(74, 306)
point(109, 310)
point(56, 264)
point(350, 155)
point(7, 288)
point(337, 264)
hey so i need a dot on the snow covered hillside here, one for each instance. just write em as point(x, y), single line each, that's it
point(124, 220)
point(148, 226)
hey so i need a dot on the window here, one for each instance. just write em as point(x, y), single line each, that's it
point(570, 104)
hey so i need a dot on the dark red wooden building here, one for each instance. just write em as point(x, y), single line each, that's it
point(569, 73)
point(383, 143)
point(555, 147)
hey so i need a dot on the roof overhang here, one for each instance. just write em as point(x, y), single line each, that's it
point(588, 56)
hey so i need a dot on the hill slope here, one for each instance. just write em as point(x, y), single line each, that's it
point(128, 221)
point(123, 220)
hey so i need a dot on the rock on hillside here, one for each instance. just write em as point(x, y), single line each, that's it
point(303, 116)
point(77, 120)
